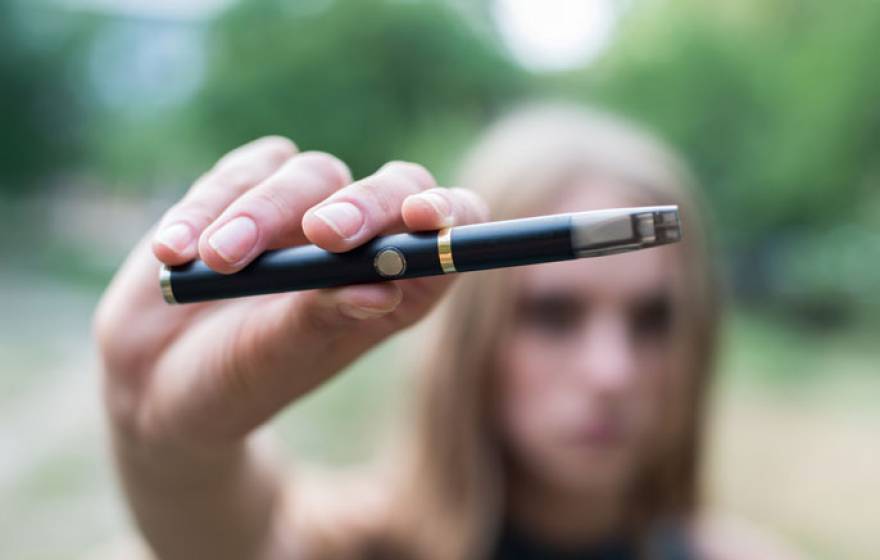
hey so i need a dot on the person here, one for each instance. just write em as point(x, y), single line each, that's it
point(560, 406)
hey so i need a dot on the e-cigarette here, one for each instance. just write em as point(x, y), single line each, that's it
point(465, 248)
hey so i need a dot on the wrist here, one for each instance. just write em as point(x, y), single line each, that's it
point(139, 445)
point(172, 464)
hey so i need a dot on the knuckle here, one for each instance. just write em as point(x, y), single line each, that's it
point(235, 176)
point(233, 155)
point(375, 194)
point(229, 176)
point(413, 171)
point(272, 200)
point(226, 158)
point(277, 146)
point(193, 210)
point(444, 192)
point(328, 166)
point(473, 200)
point(199, 183)
point(445, 201)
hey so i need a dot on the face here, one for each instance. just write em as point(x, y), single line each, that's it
point(587, 363)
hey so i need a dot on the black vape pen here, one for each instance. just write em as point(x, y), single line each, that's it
point(464, 248)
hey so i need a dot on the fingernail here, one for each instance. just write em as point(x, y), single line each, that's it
point(440, 204)
point(362, 312)
point(234, 239)
point(176, 237)
point(343, 217)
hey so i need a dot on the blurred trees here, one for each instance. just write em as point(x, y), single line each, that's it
point(776, 104)
point(370, 80)
point(777, 107)
point(40, 110)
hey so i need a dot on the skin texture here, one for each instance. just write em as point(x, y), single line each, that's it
point(581, 377)
point(186, 386)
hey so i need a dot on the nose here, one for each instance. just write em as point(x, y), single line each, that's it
point(605, 357)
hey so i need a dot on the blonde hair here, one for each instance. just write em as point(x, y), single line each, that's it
point(446, 498)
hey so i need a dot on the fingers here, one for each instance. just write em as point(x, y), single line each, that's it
point(442, 207)
point(262, 196)
point(365, 208)
point(271, 213)
point(176, 239)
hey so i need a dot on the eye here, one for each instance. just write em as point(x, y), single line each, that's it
point(553, 314)
point(652, 318)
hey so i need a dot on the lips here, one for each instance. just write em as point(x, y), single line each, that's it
point(602, 433)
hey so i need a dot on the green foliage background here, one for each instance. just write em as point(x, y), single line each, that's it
point(370, 80)
point(775, 103)
point(40, 51)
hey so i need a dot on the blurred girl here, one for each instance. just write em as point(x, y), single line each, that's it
point(560, 405)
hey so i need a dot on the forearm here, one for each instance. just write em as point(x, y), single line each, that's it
point(218, 504)
point(204, 496)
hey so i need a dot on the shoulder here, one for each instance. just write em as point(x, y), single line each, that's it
point(717, 537)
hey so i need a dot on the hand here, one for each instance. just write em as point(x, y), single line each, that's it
point(202, 375)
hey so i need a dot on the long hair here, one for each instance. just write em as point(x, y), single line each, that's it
point(445, 497)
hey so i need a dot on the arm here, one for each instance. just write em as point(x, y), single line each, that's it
point(186, 386)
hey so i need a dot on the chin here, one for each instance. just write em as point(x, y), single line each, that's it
point(589, 473)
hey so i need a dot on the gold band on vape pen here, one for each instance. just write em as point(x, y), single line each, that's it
point(165, 284)
point(444, 250)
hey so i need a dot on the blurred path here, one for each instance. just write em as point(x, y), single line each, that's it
point(56, 490)
point(807, 467)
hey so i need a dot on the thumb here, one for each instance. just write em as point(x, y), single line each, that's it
point(264, 354)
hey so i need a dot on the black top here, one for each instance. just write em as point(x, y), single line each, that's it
point(668, 543)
